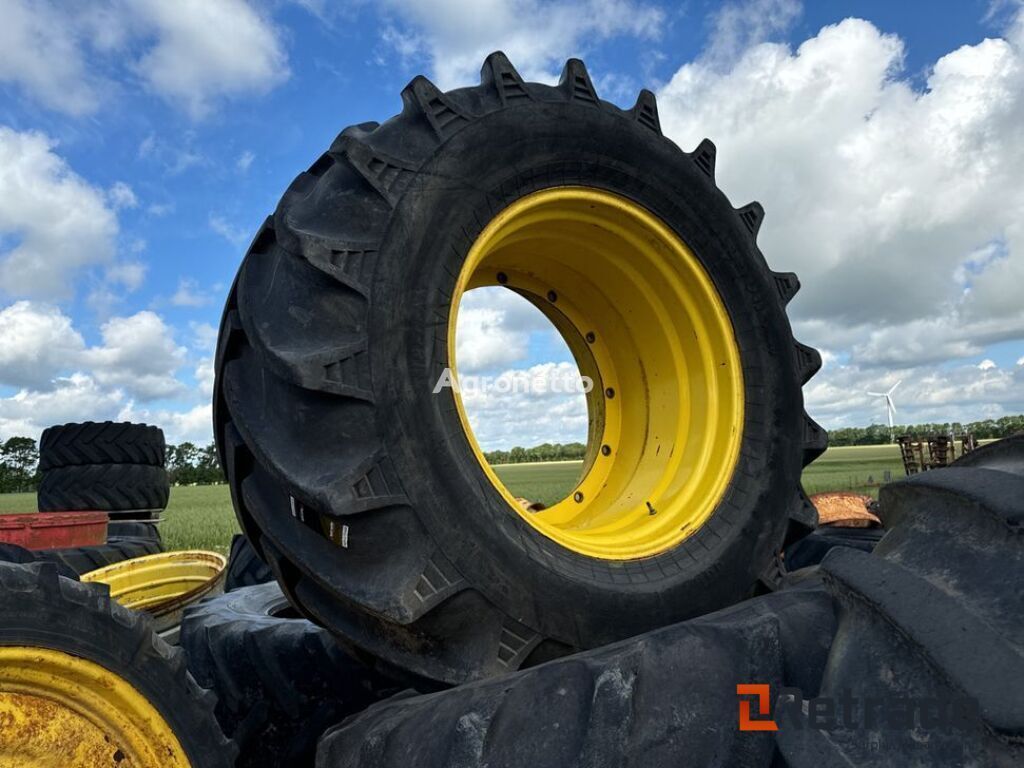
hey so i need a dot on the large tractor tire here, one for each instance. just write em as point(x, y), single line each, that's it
point(931, 628)
point(366, 491)
point(280, 680)
point(661, 700)
point(924, 666)
point(85, 683)
point(104, 442)
point(12, 553)
point(1006, 455)
point(135, 488)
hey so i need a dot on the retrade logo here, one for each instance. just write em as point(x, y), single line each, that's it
point(764, 706)
point(848, 712)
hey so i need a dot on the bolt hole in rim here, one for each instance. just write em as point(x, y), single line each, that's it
point(645, 322)
point(62, 710)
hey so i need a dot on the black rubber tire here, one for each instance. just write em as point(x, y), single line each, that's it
point(811, 549)
point(245, 567)
point(12, 553)
point(84, 559)
point(134, 530)
point(280, 680)
point(104, 487)
point(662, 700)
point(936, 612)
point(1006, 455)
point(39, 608)
point(338, 318)
point(101, 442)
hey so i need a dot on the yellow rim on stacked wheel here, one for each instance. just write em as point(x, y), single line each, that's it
point(60, 710)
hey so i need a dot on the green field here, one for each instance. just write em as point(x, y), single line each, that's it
point(856, 468)
point(197, 517)
point(201, 517)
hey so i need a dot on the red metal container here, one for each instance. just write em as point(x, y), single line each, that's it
point(54, 530)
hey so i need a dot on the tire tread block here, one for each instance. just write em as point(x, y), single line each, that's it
point(104, 442)
point(280, 681)
point(646, 701)
point(104, 487)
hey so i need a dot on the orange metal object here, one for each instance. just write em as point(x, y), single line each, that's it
point(54, 530)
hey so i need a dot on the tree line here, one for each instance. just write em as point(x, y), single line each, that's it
point(878, 434)
point(190, 464)
point(187, 464)
point(542, 452)
point(875, 434)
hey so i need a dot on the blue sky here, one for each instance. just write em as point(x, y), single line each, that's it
point(142, 143)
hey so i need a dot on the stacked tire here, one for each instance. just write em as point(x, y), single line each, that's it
point(112, 467)
point(907, 655)
point(86, 683)
point(280, 680)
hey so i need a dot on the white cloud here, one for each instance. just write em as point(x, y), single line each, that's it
point(60, 223)
point(204, 374)
point(900, 207)
point(122, 196)
point(189, 294)
point(877, 193)
point(39, 342)
point(129, 274)
point(75, 398)
point(206, 51)
point(193, 53)
point(194, 425)
point(233, 234)
point(528, 417)
point(493, 329)
point(737, 26)
point(138, 355)
point(244, 161)
point(967, 392)
point(456, 35)
point(204, 336)
point(159, 209)
point(80, 397)
point(60, 378)
point(43, 55)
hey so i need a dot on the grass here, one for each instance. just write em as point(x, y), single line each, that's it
point(202, 518)
point(849, 468)
point(199, 517)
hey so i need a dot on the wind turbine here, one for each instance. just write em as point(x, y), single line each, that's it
point(890, 407)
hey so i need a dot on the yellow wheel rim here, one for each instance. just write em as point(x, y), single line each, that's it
point(60, 710)
point(645, 322)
